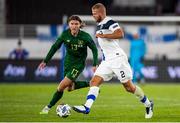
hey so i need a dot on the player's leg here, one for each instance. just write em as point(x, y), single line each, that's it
point(138, 92)
point(57, 95)
point(103, 73)
point(78, 85)
point(93, 93)
point(75, 72)
point(67, 82)
point(124, 74)
point(91, 96)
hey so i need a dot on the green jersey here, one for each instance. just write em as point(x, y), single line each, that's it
point(76, 50)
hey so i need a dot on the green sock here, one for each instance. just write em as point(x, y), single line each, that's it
point(81, 84)
point(57, 95)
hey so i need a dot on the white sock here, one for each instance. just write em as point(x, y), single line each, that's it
point(92, 95)
point(140, 94)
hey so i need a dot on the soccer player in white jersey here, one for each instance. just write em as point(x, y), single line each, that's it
point(115, 62)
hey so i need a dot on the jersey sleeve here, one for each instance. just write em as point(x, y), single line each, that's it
point(114, 26)
point(54, 48)
point(94, 50)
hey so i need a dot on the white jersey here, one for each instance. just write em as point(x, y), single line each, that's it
point(110, 47)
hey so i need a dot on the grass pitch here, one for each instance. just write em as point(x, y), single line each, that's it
point(22, 103)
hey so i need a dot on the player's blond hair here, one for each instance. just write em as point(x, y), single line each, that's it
point(99, 6)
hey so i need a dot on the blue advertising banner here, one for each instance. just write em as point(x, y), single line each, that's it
point(27, 71)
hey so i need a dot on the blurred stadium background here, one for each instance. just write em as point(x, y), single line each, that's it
point(37, 24)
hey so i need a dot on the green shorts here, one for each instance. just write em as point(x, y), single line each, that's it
point(73, 72)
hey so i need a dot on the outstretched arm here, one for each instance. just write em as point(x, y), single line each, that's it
point(117, 34)
point(52, 51)
point(50, 54)
point(94, 50)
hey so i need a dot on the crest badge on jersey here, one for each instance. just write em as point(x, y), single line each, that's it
point(80, 43)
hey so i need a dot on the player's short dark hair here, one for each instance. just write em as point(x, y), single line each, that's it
point(77, 18)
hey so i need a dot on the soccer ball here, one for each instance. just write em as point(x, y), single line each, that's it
point(63, 110)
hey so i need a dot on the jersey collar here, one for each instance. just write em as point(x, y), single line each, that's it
point(105, 20)
point(73, 35)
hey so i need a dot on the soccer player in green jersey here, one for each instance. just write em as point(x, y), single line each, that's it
point(76, 42)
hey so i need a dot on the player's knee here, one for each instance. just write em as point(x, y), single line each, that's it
point(129, 89)
point(60, 88)
point(70, 88)
point(93, 83)
point(63, 85)
point(129, 86)
point(96, 81)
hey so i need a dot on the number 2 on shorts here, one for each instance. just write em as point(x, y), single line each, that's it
point(122, 74)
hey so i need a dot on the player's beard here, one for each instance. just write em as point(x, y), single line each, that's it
point(99, 19)
point(75, 32)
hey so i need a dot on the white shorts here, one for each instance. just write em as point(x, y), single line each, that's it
point(118, 66)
